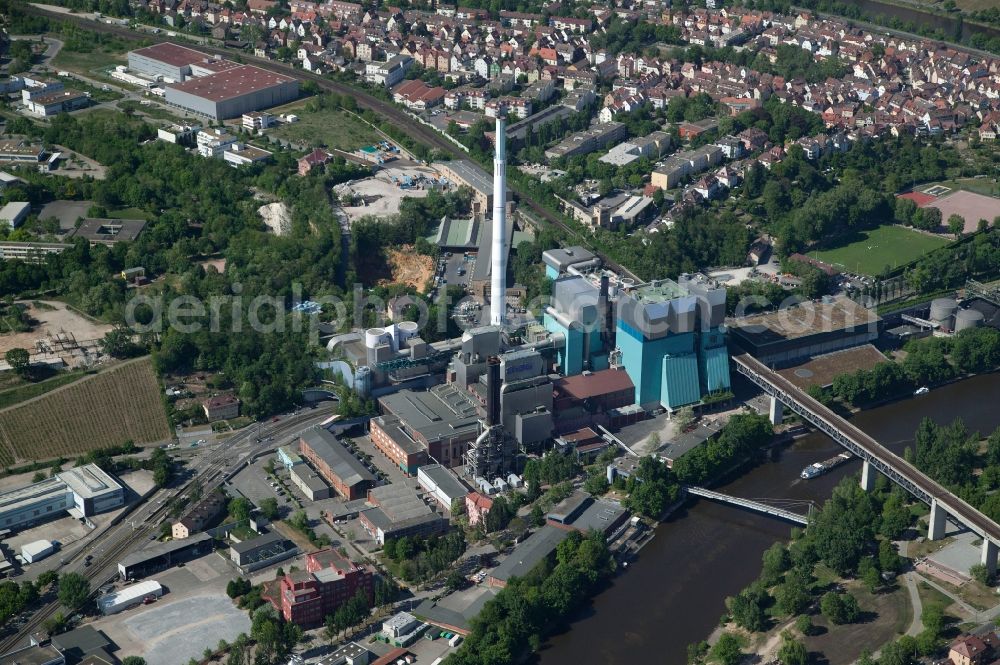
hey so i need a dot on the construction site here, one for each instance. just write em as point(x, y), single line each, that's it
point(61, 337)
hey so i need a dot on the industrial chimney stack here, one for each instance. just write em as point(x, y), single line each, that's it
point(498, 284)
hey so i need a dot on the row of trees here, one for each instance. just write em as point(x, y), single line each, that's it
point(929, 360)
point(418, 559)
point(529, 608)
point(742, 436)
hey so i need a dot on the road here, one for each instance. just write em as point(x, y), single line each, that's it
point(140, 526)
point(403, 120)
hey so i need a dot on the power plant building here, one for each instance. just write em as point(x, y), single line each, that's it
point(576, 313)
point(672, 340)
point(809, 329)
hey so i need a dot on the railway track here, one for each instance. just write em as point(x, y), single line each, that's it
point(104, 565)
point(400, 118)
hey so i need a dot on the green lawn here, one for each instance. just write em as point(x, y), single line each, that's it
point(334, 129)
point(875, 249)
point(95, 63)
point(985, 186)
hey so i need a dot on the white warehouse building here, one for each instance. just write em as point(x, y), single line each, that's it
point(442, 484)
point(129, 596)
point(82, 491)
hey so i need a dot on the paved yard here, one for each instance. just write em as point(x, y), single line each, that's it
point(193, 614)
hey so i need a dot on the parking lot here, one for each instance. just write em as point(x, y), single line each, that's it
point(193, 614)
point(457, 268)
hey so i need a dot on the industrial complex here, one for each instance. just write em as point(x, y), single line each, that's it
point(81, 491)
point(211, 87)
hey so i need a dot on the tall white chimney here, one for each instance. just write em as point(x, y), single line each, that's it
point(498, 284)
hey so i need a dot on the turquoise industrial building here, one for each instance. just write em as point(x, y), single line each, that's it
point(669, 336)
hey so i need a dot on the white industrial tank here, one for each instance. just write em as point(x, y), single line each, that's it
point(968, 318)
point(942, 309)
point(376, 336)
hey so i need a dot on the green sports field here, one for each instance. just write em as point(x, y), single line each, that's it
point(875, 249)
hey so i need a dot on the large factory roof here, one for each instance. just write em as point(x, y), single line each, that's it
point(31, 494)
point(809, 318)
point(88, 481)
point(232, 83)
point(472, 175)
point(340, 460)
point(437, 413)
point(484, 258)
point(171, 54)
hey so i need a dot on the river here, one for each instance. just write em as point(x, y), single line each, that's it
point(946, 24)
point(673, 594)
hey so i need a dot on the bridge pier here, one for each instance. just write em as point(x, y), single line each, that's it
point(777, 412)
point(989, 556)
point(868, 476)
point(936, 522)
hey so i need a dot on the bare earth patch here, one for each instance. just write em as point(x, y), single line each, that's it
point(55, 322)
point(410, 268)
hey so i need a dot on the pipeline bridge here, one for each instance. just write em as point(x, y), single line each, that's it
point(876, 458)
point(759, 505)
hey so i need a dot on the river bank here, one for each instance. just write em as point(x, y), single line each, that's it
point(945, 25)
point(674, 593)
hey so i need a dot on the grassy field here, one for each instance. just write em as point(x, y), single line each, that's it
point(875, 249)
point(986, 186)
point(152, 111)
point(334, 129)
point(97, 61)
point(105, 409)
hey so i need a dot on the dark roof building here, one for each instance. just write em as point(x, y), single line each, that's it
point(335, 463)
point(262, 551)
point(528, 554)
point(399, 511)
point(108, 231)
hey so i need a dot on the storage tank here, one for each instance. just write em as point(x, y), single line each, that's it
point(942, 309)
point(968, 318)
point(376, 336)
point(363, 381)
point(407, 330)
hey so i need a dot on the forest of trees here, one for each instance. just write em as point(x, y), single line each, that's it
point(530, 608)
point(196, 208)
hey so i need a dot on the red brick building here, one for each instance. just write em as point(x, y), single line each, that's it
point(390, 436)
point(306, 597)
point(336, 464)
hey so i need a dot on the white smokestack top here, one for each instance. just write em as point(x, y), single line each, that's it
point(498, 285)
